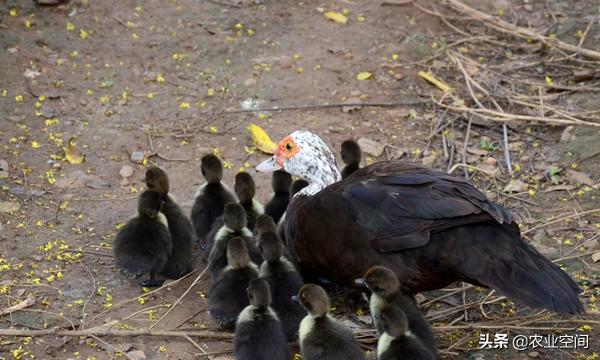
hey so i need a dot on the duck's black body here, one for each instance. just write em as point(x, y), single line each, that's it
point(406, 348)
point(245, 189)
point(281, 183)
point(258, 332)
point(182, 235)
point(143, 245)
point(429, 227)
point(227, 297)
point(217, 259)
point(322, 338)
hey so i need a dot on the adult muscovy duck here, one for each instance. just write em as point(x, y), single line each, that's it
point(429, 227)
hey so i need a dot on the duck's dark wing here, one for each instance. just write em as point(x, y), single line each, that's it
point(402, 205)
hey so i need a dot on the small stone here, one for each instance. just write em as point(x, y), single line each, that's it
point(429, 160)
point(249, 82)
point(37, 258)
point(47, 111)
point(596, 256)
point(566, 135)
point(137, 355)
point(20, 292)
point(9, 206)
point(285, 62)
point(516, 186)
point(490, 161)
point(137, 157)
point(529, 8)
point(57, 166)
point(17, 190)
point(4, 169)
point(126, 171)
point(372, 147)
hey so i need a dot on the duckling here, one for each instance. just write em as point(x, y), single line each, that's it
point(264, 223)
point(297, 185)
point(234, 225)
point(210, 198)
point(385, 290)
point(227, 297)
point(258, 332)
point(351, 156)
point(180, 227)
point(281, 183)
point(245, 189)
point(321, 337)
point(397, 342)
point(285, 282)
point(143, 245)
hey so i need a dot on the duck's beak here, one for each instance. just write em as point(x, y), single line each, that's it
point(295, 298)
point(268, 165)
point(360, 281)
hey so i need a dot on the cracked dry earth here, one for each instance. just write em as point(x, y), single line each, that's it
point(159, 82)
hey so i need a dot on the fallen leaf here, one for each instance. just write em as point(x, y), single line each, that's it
point(9, 206)
point(428, 76)
point(72, 154)
point(515, 185)
point(580, 177)
point(596, 256)
point(336, 16)
point(365, 75)
point(261, 139)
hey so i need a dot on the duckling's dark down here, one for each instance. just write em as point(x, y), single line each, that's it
point(284, 280)
point(321, 337)
point(245, 189)
point(234, 225)
point(143, 245)
point(210, 198)
point(351, 155)
point(258, 332)
point(227, 296)
point(180, 227)
point(397, 341)
point(281, 183)
point(385, 291)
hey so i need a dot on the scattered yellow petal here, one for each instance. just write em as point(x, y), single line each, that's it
point(19, 98)
point(72, 154)
point(336, 16)
point(162, 349)
point(13, 12)
point(360, 18)
point(428, 76)
point(184, 105)
point(365, 75)
point(261, 139)
point(35, 144)
point(160, 78)
point(549, 81)
point(70, 26)
point(83, 34)
point(150, 96)
point(214, 129)
point(210, 92)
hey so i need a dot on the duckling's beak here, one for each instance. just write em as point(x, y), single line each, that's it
point(295, 298)
point(360, 281)
point(268, 165)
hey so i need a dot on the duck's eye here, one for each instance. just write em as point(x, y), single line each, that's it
point(370, 279)
point(289, 146)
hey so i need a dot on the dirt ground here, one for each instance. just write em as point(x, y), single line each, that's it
point(167, 78)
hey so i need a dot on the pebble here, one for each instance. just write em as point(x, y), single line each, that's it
point(369, 146)
point(126, 171)
point(137, 157)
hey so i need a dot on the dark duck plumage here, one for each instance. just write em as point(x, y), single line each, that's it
point(398, 342)
point(429, 227)
point(284, 281)
point(234, 225)
point(245, 189)
point(351, 155)
point(143, 245)
point(227, 296)
point(180, 227)
point(281, 183)
point(258, 332)
point(385, 291)
point(210, 198)
point(321, 337)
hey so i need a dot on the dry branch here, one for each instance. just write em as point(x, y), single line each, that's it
point(508, 28)
point(29, 301)
point(107, 331)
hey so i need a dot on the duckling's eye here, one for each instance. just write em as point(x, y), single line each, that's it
point(369, 279)
point(303, 296)
point(289, 146)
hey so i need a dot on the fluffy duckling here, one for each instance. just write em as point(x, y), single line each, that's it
point(284, 281)
point(385, 290)
point(234, 225)
point(245, 189)
point(143, 245)
point(180, 227)
point(210, 198)
point(351, 155)
point(321, 337)
point(227, 296)
point(264, 224)
point(397, 342)
point(258, 332)
point(281, 183)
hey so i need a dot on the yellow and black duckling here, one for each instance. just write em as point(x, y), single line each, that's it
point(143, 245)
point(227, 296)
point(397, 342)
point(258, 332)
point(210, 198)
point(281, 182)
point(234, 225)
point(385, 290)
point(321, 337)
point(245, 189)
point(180, 227)
point(351, 155)
point(284, 280)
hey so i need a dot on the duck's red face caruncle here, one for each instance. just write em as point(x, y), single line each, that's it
point(285, 150)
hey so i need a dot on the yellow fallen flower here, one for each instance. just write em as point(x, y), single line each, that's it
point(261, 139)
